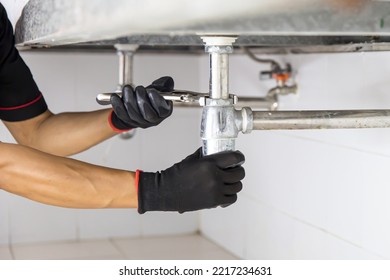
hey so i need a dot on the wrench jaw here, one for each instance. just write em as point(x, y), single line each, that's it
point(182, 96)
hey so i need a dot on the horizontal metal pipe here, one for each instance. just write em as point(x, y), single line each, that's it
point(269, 103)
point(253, 102)
point(263, 120)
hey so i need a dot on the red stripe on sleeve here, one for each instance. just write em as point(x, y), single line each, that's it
point(22, 106)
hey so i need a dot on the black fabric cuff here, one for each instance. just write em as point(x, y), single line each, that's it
point(156, 192)
point(147, 192)
point(118, 123)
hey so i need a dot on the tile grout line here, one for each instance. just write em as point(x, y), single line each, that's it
point(218, 247)
point(11, 251)
point(111, 240)
point(10, 245)
point(314, 140)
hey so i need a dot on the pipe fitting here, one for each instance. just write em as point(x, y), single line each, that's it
point(244, 120)
point(126, 53)
point(218, 129)
point(219, 49)
point(221, 124)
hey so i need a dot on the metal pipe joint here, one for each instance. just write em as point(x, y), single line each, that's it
point(221, 123)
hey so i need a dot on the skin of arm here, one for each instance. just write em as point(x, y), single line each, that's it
point(64, 182)
point(63, 134)
point(36, 169)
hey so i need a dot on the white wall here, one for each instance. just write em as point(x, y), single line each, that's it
point(70, 82)
point(14, 9)
point(322, 194)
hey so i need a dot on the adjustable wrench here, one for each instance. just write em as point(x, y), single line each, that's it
point(176, 95)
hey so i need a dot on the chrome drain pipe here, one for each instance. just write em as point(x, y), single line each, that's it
point(219, 128)
point(334, 119)
point(126, 53)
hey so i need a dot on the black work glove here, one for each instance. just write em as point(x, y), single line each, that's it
point(194, 183)
point(141, 107)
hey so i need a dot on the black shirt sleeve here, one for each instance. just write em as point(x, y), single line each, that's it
point(20, 98)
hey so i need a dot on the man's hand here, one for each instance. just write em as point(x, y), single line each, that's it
point(195, 183)
point(141, 107)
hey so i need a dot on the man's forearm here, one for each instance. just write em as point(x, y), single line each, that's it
point(63, 134)
point(64, 182)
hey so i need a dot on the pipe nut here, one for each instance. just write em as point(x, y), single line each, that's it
point(247, 120)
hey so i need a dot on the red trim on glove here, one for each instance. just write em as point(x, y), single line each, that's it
point(113, 126)
point(137, 173)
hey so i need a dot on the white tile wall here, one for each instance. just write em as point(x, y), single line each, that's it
point(5, 253)
point(186, 247)
point(159, 223)
point(34, 222)
point(254, 230)
point(313, 194)
point(226, 226)
point(4, 222)
point(271, 234)
point(330, 187)
point(94, 249)
point(93, 224)
point(179, 247)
